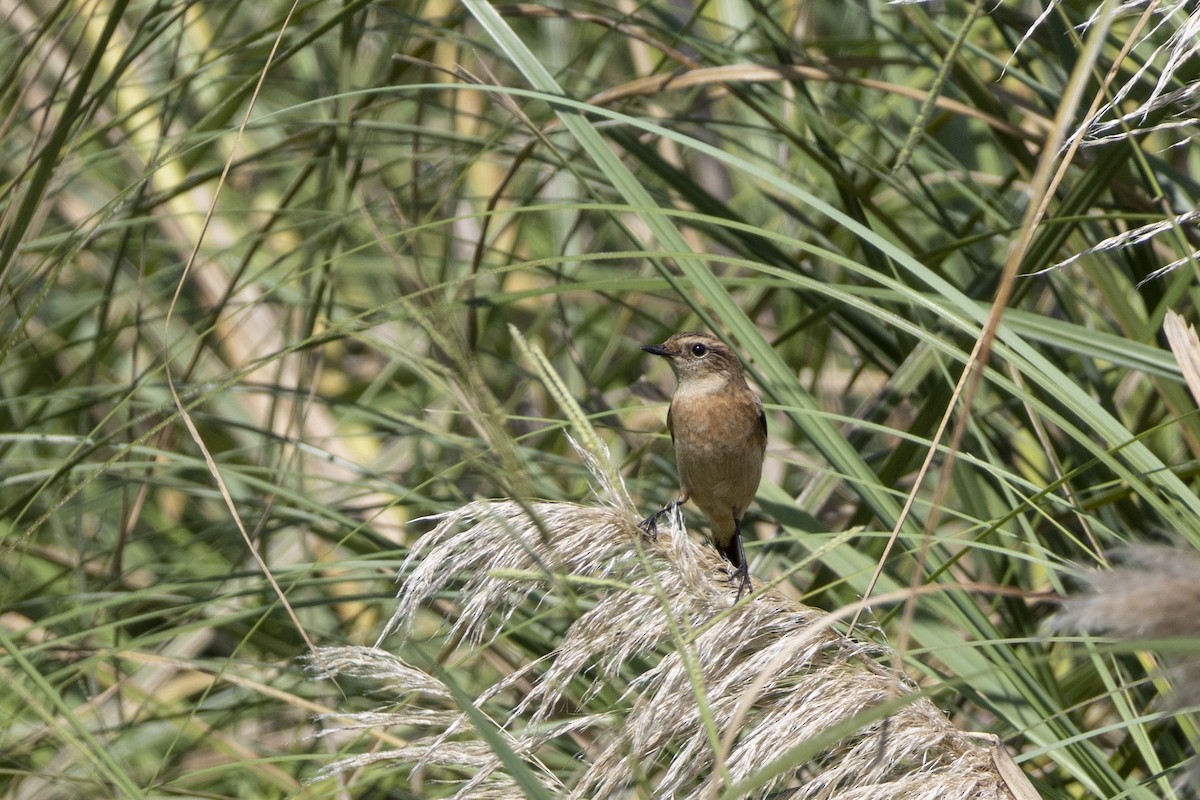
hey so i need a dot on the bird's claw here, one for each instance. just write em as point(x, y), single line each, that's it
point(649, 526)
point(741, 576)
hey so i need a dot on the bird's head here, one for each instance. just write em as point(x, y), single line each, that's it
point(698, 359)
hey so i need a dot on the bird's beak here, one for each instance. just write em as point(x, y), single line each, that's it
point(656, 349)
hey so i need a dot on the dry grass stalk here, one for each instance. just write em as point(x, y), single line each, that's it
point(661, 602)
point(1152, 596)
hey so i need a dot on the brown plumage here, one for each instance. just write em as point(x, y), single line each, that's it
point(720, 436)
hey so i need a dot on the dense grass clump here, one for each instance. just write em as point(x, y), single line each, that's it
point(299, 299)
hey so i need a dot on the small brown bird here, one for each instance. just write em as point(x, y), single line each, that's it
point(720, 436)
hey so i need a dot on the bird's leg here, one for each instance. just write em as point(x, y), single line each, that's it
point(735, 554)
point(742, 573)
point(649, 525)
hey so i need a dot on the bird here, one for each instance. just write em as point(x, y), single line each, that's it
point(719, 431)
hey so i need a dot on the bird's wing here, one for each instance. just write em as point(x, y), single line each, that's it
point(670, 424)
point(762, 419)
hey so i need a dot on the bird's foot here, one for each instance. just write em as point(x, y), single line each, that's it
point(740, 576)
point(649, 525)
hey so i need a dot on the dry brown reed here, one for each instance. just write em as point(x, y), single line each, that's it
point(758, 698)
point(1152, 597)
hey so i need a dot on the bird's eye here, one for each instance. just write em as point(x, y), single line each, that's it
point(699, 350)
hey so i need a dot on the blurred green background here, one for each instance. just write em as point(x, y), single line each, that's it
point(258, 264)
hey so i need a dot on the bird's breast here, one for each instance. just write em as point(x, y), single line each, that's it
point(718, 423)
point(719, 446)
